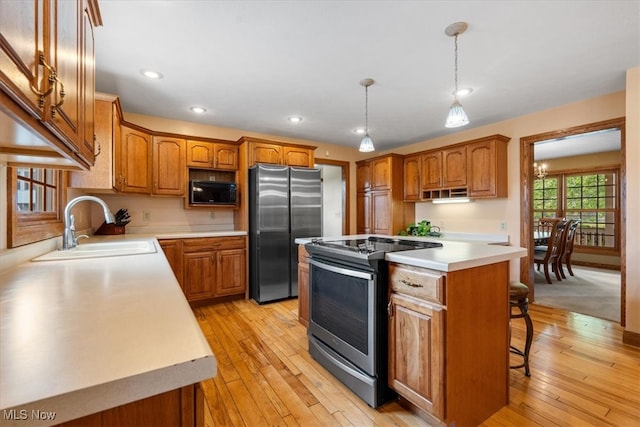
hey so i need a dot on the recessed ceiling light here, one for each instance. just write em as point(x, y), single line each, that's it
point(295, 119)
point(198, 110)
point(151, 74)
point(463, 92)
point(359, 131)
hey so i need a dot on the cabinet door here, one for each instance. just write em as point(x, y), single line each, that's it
point(381, 174)
point(487, 168)
point(363, 213)
point(416, 352)
point(133, 164)
point(226, 156)
point(200, 154)
point(87, 141)
point(295, 156)
point(169, 166)
point(199, 273)
point(412, 178)
point(63, 115)
point(21, 74)
point(303, 286)
point(381, 213)
point(454, 167)
point(231, 272)
point(172, 249)
point(431, 170)
point(363, 176)
point(265, 153)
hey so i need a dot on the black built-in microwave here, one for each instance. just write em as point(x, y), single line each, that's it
point(212, 193)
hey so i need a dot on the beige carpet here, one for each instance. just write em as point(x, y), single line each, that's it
point(591, 291)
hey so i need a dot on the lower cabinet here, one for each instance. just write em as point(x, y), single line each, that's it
point(210, 267)
point(449, 341)
point(183, 407)
point(303, 286)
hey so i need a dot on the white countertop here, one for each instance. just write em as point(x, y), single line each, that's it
point(84, 335)
point(466, 251)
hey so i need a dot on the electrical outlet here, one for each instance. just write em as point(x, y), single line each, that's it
point(212, 214)
point(146, 215)
point(503, 226)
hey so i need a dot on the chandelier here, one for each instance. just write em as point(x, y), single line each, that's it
point(540, 170)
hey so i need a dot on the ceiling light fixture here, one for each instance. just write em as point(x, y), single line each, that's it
point(359, 131)
point(540, 170)
point(198, 110)
point(457, 117)
point(366, 145)
point(151, 74)
point(295, 119)
point(463, 92)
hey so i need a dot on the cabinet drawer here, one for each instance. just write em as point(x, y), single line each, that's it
point(213, 243)
point(418, 282)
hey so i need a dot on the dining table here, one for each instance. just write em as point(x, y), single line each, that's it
point(541, 238)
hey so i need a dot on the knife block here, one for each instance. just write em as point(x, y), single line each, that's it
point(110, 229)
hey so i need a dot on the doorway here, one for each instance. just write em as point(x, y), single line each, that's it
point(335, 196)
point(527, 151)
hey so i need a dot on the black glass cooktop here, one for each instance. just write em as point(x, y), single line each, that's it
point(377, 245)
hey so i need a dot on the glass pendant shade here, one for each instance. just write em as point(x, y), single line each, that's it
point(366, 145)
point(457, 117)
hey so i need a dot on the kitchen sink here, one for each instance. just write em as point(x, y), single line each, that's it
point(101, 249)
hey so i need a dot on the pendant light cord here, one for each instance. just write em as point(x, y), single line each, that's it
point(455, 66)
point(366, 110)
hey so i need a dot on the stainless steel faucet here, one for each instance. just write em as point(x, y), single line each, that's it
point(69, 238)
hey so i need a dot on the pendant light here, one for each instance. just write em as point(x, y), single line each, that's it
point(366, 145)
point(457, 117)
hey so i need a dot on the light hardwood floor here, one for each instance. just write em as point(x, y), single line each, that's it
point(582, 374)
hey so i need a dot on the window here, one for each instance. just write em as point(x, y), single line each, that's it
point(34, 205)
point(592, 197)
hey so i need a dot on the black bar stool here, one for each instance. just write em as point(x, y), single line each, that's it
point(519, 298)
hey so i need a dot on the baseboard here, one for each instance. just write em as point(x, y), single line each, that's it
point(595, 265)
point(631, 338)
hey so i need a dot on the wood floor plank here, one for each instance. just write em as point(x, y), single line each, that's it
point(582, 374)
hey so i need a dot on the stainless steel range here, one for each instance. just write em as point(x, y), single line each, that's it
point(347, 316)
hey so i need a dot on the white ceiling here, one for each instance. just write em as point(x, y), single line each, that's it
point(252, 64)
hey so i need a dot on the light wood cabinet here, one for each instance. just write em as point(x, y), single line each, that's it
point(444, 169)
point(132, 154)
point(180, 407)
point(412, 178)
point(449, 340)
point(168, 166)
point(212, 155)
point(278, 153)
point(487, 167)
point(208, 268)
point(172, 249)
point(379, 197)
point(47, 68)
point(303, 286)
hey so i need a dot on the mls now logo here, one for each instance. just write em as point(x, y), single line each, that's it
point(23, 414)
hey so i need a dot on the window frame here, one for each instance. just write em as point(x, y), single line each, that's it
point(562, 210)
point(24, 228)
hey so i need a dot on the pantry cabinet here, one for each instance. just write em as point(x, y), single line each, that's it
point(208, 268)
point(47, 68)
point(449, 340)
point(379, 196)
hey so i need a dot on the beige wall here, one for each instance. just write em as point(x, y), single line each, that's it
point(633, 200)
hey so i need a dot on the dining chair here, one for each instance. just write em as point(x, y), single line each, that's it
point(549, 257)
point(568, 248)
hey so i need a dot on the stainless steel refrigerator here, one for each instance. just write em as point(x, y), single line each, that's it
point(284, 203)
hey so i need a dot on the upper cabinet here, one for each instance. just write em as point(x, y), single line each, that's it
point(168, 166)
point(277, 153)
point(47, 68)
point(212, 155)
point(476, 168)
point(132, 156)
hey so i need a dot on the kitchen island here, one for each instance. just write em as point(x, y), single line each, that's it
point(446, 311)
point(82, 336)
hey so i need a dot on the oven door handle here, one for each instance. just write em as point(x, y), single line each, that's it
point(341, 270)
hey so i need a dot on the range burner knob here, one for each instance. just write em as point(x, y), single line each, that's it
point(315, 241)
